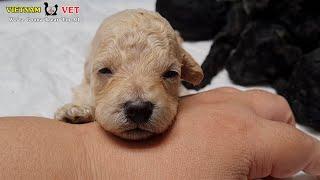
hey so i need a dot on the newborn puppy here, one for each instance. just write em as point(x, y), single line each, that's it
point(224, 42)
point(263, 56)
point(303, 90)
point(195, 20)
point(132, 76)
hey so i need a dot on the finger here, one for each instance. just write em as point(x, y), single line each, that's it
point(266, 105)
point(279, 150)
point(269, 106)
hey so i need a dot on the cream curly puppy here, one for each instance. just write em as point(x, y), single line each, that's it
point(132, 76)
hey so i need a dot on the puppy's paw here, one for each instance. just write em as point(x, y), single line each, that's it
point(75, 114)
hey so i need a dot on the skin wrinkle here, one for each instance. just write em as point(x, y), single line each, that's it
point(286, 170)
point(265, 167)
point(310, 168)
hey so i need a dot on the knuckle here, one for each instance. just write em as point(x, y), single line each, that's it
point(259, 92)
point(259, 95)
point(286, 107)
point(228, 90)
point(281, 100)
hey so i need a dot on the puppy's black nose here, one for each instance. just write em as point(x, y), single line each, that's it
point(138, 111)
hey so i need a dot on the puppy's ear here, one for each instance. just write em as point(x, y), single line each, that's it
point(190, 71)
point(87, 69)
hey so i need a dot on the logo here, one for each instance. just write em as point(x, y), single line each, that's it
point(23, 9)
point(50, 10)
point(70, 9)
point(68, 13)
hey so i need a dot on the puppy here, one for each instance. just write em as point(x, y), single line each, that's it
point(132, 76)
point(195, 20)
point(303, 90)
point(263, 56)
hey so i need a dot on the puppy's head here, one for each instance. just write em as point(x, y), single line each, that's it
point(134, 71)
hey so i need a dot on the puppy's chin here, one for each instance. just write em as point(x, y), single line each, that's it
point(135, 134)
point(130, 131)
point(134, 131)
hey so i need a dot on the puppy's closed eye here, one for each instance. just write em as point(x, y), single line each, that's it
point(105, 71)
point(170, 74)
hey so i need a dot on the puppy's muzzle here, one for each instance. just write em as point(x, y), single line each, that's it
point(138, 111)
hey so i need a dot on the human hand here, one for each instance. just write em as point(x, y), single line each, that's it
point(220, 134)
